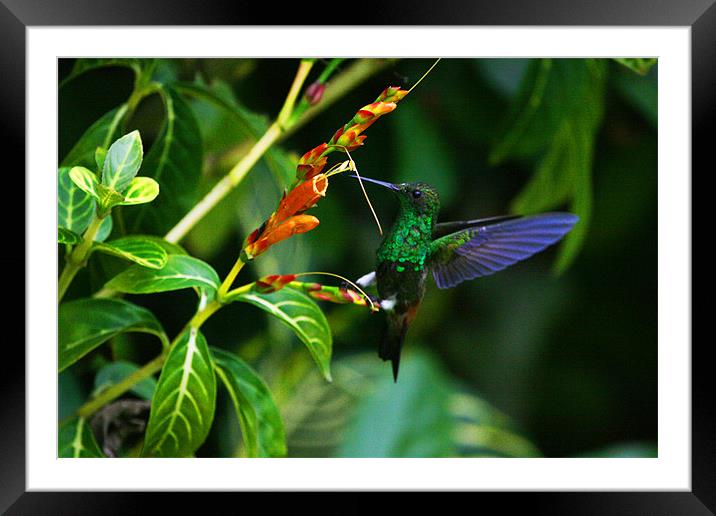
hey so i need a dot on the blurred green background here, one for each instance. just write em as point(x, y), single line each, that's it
point(555, 356)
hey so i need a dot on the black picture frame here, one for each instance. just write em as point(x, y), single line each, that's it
point(17, 15)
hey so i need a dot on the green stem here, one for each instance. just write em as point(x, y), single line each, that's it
point(303, 69)
point(239, 290)
point(224, 186)
point(305, 104)
point(77, 259)
point(226, 285)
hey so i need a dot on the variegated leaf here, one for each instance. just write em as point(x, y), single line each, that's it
point(178, 273)
point(300, 313)
point(136, 249)
point(122, 162)
point(104, 229)
point(84, 324)
point(184, 402)
point(140, 191)
point(75, 440)
point(65, 236)
point(85, 180)
point(75, 207)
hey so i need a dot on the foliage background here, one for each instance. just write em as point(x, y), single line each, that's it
point(569, 360)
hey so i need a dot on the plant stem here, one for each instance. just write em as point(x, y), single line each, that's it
point(240, 290)
point(303, 69)
point(77, 259)
point(229, 280)
point(224, 186)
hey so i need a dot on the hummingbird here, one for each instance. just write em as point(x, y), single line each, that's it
point(416, 245)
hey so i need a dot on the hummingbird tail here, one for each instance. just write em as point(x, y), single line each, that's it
point(392, 343)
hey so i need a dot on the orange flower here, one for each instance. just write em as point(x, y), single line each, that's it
point(288, 219)
point(277, 233)
point(301, 198)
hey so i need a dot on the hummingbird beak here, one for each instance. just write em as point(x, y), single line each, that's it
point(390, 186)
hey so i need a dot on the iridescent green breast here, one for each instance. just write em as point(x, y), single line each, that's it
point(407, 243)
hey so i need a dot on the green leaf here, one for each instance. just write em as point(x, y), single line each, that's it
point(86, 323)
point(75, 207)
point(178, 273)
point(175, 162)
point(122, 162)
point(556, 117)
point(99, 134)
point(85, 180)
point(75, 440)
point(136, 249)
point(638, 65)
point(580, 168)
point(552, 91)
point(300, 313)
point(551, 184)
point(104, 229)
point(169, 247)
point(184, 402)
point(527, 114)
point(261, 425)
point(114, 372)
point(72, 393)
point(65, 236)
point(140, 191)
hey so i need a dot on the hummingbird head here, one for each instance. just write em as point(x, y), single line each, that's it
point(420, 198)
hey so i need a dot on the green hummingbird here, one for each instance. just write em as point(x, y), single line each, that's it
point(416, 244)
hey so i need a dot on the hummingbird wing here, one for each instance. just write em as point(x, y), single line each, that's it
point(444, 228)
point(483, 250)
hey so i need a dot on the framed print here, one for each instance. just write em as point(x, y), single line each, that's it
point(222, 188)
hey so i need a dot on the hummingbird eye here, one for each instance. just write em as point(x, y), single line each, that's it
point(417, 194)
